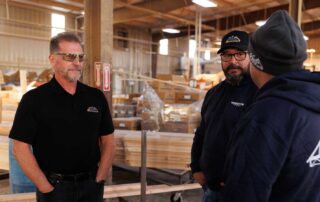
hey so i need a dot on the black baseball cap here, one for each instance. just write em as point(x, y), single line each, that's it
point(235, 39)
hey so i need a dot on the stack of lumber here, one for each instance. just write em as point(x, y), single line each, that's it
point(128, 123)
point(9, 104)
point(164, 150)
point(5, 127)
point(4, 153)
point(120, 155)
point(173, 89)
point(181, 118)
point(10, 101)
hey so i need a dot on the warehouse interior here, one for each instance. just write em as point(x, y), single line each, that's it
point(153, 59)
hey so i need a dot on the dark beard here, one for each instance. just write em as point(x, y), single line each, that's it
point(234, 80)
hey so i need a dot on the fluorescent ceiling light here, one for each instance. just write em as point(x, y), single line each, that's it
point(311, 50)
point(260, 22)
point(171, 31)
point(305, 37)
point(205, 3)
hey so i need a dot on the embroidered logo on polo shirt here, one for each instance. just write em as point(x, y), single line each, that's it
point(92, 109)
point(237, 104)
point(314, 158)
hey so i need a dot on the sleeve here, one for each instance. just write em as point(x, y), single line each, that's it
point(24, 126)
point(196, 148)
point(106, 125)
point(253, 163)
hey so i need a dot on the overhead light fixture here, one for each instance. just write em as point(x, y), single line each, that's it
point(205, 3)
point(171, 30)
point(311, 50)
point(260, 22)
point(305, 37)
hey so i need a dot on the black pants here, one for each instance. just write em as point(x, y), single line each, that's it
point(78, 191)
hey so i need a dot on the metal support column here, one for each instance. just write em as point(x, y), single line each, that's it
point(143, 169)
point(196, 60)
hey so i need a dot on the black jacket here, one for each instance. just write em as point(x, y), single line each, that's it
point(221, 110)
point(275, 152)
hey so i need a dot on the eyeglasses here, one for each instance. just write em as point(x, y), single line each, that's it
point(239, 56)
point(71, 57)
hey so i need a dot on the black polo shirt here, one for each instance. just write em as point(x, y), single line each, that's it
point(63, 129)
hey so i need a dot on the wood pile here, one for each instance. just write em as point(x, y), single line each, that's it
point(4, 153)
point(9, 105)
point(129, 123)
point(10, 101)
point(164, 150)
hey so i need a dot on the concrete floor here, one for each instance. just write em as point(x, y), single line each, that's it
point(130, 175)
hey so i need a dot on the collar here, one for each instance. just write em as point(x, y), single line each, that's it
point(59, 89)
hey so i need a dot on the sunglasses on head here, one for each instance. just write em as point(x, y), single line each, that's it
point(72, 56)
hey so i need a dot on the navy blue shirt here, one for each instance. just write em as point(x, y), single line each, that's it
point(63, 129)
point(222, 108)
point(274, 154)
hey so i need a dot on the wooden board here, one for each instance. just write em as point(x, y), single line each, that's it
point(4, 153)
point(164, 150)
point(112, 191)
point(5, 127)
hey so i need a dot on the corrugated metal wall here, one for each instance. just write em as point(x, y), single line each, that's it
point(24, 37)
point(17, 52)
point(25, 34)
point(137, 57)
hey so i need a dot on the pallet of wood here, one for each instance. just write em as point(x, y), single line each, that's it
point(5, 127)
point(164, 150)
point(4, 153)
point(128, 123)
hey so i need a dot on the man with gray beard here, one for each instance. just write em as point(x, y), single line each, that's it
point(223, 106)
point(69, 127)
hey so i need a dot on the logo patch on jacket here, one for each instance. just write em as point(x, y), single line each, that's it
point(314, 158)
point(237, 104)
point(92, 109)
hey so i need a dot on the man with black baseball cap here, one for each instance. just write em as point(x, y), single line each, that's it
point(224, 104)
point(275, 152)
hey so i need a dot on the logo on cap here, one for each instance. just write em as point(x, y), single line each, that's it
point(233, 39)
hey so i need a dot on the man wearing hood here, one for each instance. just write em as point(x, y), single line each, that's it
point(275, 151)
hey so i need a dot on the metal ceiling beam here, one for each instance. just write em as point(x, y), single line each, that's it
point(153, 12)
